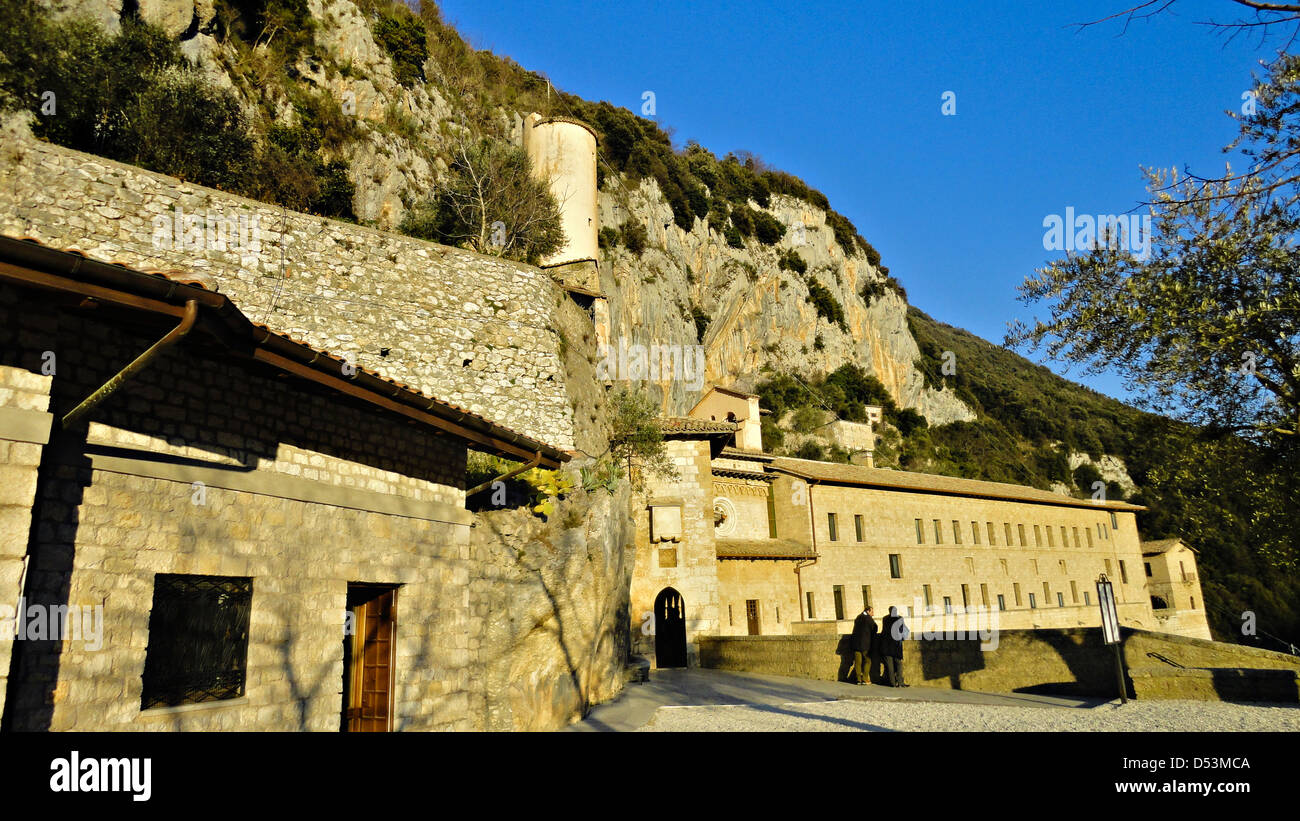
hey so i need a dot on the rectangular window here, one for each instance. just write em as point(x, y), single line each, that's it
point(1087, 532)
point(1015, 589)
point(1114, 521)
point(947, 604)
point(1076, 537)
point(1087, 597)
point(956, 531)
point(925, 591)
point(938, 533)
point(771, 512)
point(1002, 602)
point(1033, 603)
point(970, 565)
point(1148, 566)
point(1060, 600)
point(965, 595)
point(1051, 540)
point(198, 640)
point(730, 619)
point(993, 537)
point(838, 592)
point(1109, 572)
point(895, 566)
point(1182, 570)
point(984, 594)
point(1063, 570)
point(1047, 592)
point(1065, 537)
point(778, 614)
point(1021, 530)
point(1038, 536)
point(866, 596)
point(1123, 571)
point(920, 533)
point(1007, 527)
point(831, 527)
point(1034, 562)
point(812, 611)
point(1074, 591)
point(1101, 531)
point(859, 526)
point(1005, 571)
point(975, 532)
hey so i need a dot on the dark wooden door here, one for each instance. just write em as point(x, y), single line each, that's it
point(751, 615)
point(368, 659)
point(670, 629)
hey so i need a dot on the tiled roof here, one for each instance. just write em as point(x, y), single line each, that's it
point(931, 483)
point(751, 455)
point(22, 252)
point(689, 425)
point(763, 549)
point(1163, 546)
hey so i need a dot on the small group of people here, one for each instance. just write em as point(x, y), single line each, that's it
point(885, 643)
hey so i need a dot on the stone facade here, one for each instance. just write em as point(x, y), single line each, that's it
point(121, 503)
point(688, 564)
point(474, 330)
point(803, 546)
point(24, 430)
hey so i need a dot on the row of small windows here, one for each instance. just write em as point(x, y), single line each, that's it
point(837, 594)
point(896, 567)
point(991, 531)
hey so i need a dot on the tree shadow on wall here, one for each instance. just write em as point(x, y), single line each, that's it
point(546, 571)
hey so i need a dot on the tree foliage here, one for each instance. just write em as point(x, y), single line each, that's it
point(1206, 326)
point(490, 203)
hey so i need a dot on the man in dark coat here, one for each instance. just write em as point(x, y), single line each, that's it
point(893, 632)
point(863, 642)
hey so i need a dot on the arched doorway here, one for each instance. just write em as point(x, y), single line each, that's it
point(670, 629)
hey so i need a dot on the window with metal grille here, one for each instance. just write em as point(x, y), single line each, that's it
point(198, 640)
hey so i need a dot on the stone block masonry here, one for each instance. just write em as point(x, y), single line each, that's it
point(474, 330)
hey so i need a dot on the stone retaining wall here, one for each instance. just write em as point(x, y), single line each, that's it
point(474, 330)
point(1071, 661)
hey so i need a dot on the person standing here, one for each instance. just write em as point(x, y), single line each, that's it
point(863, 642)
point(893, 632)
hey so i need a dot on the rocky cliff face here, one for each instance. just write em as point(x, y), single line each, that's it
point(760, 318)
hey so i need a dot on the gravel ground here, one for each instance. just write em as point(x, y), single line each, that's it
point(1147, 716)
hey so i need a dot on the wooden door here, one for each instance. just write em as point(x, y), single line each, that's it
point(368, 659)
point(751, 615)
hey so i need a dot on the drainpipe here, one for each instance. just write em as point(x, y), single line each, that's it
point(812, 530)
point(489, 483)
point(141, 362)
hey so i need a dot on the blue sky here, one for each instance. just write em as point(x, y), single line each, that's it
point(848, 97)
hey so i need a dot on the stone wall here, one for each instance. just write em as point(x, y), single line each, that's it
point(688, 566)
point(474, 330)
point(1068, 661)
point(550, 610)
point(24, 429)
point(198, 466)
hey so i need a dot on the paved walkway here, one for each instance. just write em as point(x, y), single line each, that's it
point(697, 687)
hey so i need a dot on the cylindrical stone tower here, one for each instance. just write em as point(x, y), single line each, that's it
point(563, 152)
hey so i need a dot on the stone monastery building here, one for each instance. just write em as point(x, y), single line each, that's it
point(746, 543)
